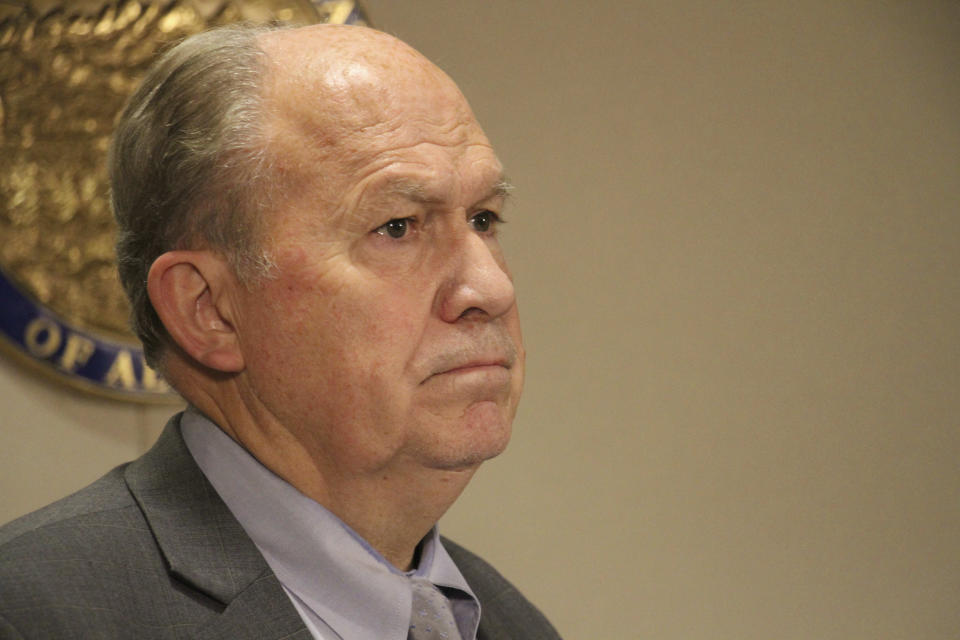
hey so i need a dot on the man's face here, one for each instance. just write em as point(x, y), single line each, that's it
point(391, 332)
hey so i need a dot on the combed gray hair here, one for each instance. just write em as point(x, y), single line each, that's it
point(189, 166)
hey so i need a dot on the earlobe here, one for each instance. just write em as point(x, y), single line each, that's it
point(189, 291)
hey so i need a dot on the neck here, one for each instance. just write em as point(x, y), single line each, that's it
point(392, 505)
point(393, 514)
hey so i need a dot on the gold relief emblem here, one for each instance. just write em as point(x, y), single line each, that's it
point(66, 70)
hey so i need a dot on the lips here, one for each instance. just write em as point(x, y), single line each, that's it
point(495, 353)
point(477, 365)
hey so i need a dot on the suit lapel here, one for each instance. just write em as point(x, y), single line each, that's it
point(261, 611)
point(204, 545)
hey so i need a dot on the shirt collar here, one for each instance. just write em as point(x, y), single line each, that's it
point(314, 554)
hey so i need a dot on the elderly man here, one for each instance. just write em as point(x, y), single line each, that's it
point(309, 242)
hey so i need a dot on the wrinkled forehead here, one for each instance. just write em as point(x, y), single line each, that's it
point(341, 92)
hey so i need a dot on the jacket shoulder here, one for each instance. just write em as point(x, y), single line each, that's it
point(504, 611)
point(80, 566)
point(107, 494)
point(76, 540)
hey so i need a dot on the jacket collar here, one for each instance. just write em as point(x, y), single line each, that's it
point(205, 547)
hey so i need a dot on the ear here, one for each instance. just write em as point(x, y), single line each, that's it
point(190, 291)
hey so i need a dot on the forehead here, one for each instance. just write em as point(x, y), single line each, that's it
point(376, 113)
point(429, 180)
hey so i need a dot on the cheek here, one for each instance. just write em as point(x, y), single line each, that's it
point(362, 336)
point(375, 324)
point(339, 323)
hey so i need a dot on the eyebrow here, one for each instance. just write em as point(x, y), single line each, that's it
point(417, 192)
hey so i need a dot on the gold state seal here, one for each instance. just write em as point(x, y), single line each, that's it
point(66, 69)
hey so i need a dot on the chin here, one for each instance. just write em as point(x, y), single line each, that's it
point(482, 433)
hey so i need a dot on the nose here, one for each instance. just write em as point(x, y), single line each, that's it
point(479, 284)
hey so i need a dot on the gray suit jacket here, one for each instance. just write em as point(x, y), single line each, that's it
point(150, 551)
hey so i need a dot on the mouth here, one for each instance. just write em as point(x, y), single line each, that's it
point(487, 358)
point(471, 367)
point(481, 362)
point(495, 366)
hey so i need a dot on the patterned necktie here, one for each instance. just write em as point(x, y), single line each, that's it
point(431, 617)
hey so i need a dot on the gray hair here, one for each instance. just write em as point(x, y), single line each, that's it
point(189, 166)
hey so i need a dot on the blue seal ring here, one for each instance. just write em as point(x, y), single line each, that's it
point(85, 359)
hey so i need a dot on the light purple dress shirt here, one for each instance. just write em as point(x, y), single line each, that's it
point(341, 587)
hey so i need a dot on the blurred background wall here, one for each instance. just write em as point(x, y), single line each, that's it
point(736, 238)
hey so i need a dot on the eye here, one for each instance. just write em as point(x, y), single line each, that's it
point(484, 220)
point(396, 228)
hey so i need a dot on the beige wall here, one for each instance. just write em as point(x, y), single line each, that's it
point(736, 237)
